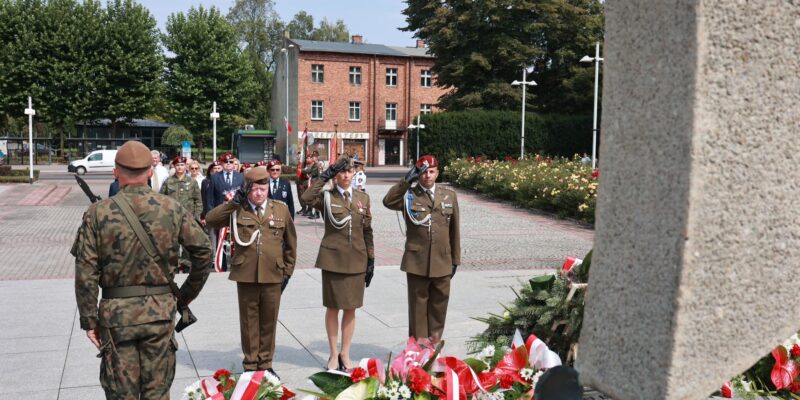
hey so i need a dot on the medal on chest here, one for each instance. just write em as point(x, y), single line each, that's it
point(271, 220)
point(360, 207)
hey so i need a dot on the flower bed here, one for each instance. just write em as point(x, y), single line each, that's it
point(560, 185)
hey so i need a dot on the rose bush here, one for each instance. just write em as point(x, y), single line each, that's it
point(559, 185)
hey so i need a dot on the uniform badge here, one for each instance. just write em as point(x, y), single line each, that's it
point(284, 194)
point(360, 207)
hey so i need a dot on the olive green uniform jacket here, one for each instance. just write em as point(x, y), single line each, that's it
point(186, 191)
point(108, 254)
point(343, 250)
point(272, 256)
point(432, 255)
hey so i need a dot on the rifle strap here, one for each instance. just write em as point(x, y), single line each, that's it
point(147, 242)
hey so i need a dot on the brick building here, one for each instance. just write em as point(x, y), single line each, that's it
point(364, 94)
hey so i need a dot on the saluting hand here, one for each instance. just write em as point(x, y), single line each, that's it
point(241, 194)
point(370, 270)
point(415, 172)
point(334, 169)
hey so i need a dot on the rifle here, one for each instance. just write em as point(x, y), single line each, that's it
point(85, 187)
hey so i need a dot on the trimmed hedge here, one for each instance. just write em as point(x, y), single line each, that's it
point(496, 134)
point(19, 176)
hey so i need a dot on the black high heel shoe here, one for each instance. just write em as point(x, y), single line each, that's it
point(341, 364)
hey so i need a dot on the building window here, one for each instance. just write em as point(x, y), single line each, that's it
point(391, 76)
point(391, 111)
point(355, 75)
point(425, 109)
point(355, 111)
point(425, 78)
point(317, 73)
point(316, 109)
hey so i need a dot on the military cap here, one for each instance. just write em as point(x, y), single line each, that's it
point(358, 162)
point(256, 174)
point(273, 163)
point(225, 157)
point(344, 158)
point(429, 159)
point(134, 155)
point(179, 160)
point(261, 163)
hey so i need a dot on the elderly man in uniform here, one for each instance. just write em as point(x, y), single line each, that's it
point(263, 262)
point(133, 324)
point(433, 245)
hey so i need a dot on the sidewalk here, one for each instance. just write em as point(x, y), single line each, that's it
point(42, 338)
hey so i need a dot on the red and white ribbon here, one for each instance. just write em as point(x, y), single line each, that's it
point(453, 385)
point(570, 263)
point(209, 388)
point(539, 355)
point(247, 385)
point(221, 233)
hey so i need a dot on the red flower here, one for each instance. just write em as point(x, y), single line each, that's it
point(487, 379)
point(595, 173)
point(220, 373)
point(727, 391)
point(785, 370)
point(506, 381)
point(287, 394)
point(358, 375)
point(418, 380)
point(796, 350)
point(795, 386)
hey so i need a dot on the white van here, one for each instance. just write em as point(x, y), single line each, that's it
point(96, 161)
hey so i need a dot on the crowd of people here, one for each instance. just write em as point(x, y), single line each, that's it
point(133, 243)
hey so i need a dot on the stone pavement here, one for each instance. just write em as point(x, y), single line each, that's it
point(41, 340)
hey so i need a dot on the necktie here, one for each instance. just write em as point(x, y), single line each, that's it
point(260, 213)
point(274, 187)
point(228, 178)
point(347, 197)
point(430, 193)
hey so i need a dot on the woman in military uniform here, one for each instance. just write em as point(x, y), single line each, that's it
point(183, 188)
point(346, 256)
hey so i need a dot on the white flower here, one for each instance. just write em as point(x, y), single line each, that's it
point(536, 377)
point(526, 373)
point(487, 352)
point(405, 392)
point(272, 379)
point(383, 392)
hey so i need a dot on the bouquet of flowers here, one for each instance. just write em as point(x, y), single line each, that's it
point(253, 385)
point(777, 374)
point(420, 373)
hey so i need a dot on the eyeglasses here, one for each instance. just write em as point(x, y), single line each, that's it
point(275, 169)
point(194, 168)
point(230, 162)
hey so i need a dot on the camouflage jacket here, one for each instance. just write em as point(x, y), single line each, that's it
point(186, 191)
point(108, 254)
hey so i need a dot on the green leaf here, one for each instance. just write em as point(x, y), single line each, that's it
point(330, 383)
point(477, 365)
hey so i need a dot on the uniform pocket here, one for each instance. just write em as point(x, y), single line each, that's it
point(412, 247)
point(171, 360)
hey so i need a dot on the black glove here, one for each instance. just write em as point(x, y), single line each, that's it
point(414, 173)
point(452, 274)
point(370, 270)
point(285, 282)
point(334, 169)
point(241, 194)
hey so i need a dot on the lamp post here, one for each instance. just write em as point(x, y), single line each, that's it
point(418, 126)
point(525, 83)
point(596, 59)
point(214, 118)
point(285, 51)
point(30, 112)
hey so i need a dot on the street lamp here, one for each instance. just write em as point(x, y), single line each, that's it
point(214, 117)
point(30, 112)
point(285, 51)
point(525, 83)
point(418, 126)
point(596, 59)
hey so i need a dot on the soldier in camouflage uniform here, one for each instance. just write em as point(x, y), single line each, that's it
point(312, 171)
point(184, 188)
point(133, 324)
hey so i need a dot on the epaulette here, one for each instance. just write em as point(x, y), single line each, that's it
point(279, 202)
point(449, 189)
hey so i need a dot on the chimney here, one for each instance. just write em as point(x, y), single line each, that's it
point(356, 39)
point(420, 43)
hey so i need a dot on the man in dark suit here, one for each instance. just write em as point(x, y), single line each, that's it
point(280, 189)
point(224, 185)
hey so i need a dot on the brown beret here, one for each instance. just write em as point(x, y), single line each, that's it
point(256, 174)
point(134, 155)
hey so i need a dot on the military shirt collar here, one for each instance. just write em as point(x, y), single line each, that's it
point(136, 189)
point(255, 207)
point(342, 190)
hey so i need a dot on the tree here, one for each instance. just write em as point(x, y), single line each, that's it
point(302, 27)
point(175, 135)
point(207, 66)
point(132, 63)
point(481, 46)
point(252, 20)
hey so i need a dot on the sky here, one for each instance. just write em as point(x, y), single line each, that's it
point(376, 20)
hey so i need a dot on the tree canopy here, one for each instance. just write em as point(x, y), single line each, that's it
point(481, 46)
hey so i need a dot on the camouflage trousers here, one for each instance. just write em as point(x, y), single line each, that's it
point(138, 362)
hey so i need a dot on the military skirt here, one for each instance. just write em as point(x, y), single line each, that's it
point(342, 291)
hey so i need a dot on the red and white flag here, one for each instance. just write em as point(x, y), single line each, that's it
point(288, 125)
point(539, 355)
point(571, 262)
point(221, 233)
point(247, 385)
